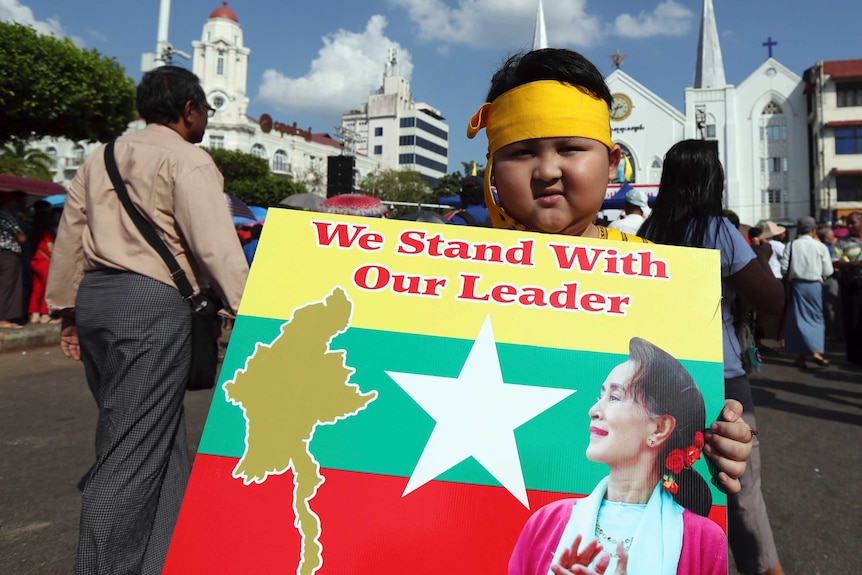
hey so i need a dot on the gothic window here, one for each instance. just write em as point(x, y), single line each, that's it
point(655, 171)
point(220, 65)
point(258, 151)
point(771, 108)
point(279, 161)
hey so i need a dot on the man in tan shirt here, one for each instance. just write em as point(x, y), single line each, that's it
point(124, 317)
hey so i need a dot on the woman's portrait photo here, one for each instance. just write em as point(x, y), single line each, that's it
point(648, 515)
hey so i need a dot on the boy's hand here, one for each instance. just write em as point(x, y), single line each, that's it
point(729, 444)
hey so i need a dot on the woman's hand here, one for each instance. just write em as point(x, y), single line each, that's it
point(574, 563)
point(728, 444)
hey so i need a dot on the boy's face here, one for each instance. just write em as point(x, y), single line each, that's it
point(554, 185)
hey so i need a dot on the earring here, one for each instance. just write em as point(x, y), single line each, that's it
point(650, 441)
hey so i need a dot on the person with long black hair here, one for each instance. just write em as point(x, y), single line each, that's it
point(688, 211)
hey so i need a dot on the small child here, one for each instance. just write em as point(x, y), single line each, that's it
point(550, 158)
point(550, 153)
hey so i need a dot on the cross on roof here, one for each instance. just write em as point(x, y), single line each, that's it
point(617, 59)
point(769, 44)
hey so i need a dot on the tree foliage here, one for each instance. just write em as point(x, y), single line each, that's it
point(248, 178)
point(450, 184)
point(397, 186)
point(50, 87)
point(18, 158)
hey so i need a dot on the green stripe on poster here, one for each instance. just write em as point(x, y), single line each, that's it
point(389, 435)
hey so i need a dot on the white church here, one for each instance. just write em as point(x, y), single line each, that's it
point(760, 126)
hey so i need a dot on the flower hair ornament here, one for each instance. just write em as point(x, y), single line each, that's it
point(679, 459)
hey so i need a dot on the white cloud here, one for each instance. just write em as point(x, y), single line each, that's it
point(14, 11)
point(348, 67)
point(494, 23)
point(668, 19)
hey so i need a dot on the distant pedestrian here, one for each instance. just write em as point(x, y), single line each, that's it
point(831, 290)
point(636, 211)
point(806, 263)
point(41, 241)
point(128, 322)
point(11, 239)
point(775, 235)
point(847, 258)
point(473, 211)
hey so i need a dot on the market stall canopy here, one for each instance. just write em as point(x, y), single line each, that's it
point(304, 201)
point(32, 187)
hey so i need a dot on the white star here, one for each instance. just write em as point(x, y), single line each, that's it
point(476, 414)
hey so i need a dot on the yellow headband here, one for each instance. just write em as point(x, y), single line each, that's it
point(543, 109)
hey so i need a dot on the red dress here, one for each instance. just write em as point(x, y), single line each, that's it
point(39, 265)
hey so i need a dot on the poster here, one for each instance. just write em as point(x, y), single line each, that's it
point(401, 397)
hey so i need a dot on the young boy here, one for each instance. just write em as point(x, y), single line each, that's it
point(550, 158)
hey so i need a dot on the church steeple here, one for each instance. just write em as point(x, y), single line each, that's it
point(540, 36)
point(709, 70)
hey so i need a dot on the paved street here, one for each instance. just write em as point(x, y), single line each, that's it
point(810, 427)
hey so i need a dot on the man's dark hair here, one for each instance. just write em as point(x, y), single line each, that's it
point(164, 91)
point(549, 64)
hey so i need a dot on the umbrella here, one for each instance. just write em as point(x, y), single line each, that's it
point(353, 205)
point(303, 201)
point(237, 208)
point(424, 215)
point(241, 221)
point(259, 212)
point(56, 201)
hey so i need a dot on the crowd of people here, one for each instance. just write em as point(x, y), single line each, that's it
point(550, 157)
point(26, 245)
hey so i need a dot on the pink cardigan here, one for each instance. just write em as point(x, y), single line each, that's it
point(704, 545)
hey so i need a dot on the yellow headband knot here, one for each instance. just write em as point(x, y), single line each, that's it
point(543, 109)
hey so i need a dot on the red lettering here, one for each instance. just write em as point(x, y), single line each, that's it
point(593, 302)
point(566, 255)
point(617, 302)
point(468, 288)
point(371, 277)
point(411, 239)
point(501, 293)
point(341, 233)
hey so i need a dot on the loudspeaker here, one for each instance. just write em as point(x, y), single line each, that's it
point(339, 175)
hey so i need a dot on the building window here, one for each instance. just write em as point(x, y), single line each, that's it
point(434, 130)
point(407, 140)
point(217, 142)
point(51, 152)
point(848, 94)
point(279, 161)
point(408, 122)
point(378, 131)
point(77, 155)
point(848, 140)
point(220, 65)
point(258, 151)
point(773, 165)
point(431, 146)
point(849, 187)
point(378, 150)
point(218, 102)
point(771, 196)
point(406, 158)
point(710, 131)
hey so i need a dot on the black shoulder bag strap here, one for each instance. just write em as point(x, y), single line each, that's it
point(146, 229)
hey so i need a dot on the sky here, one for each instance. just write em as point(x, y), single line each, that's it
point(312, 61)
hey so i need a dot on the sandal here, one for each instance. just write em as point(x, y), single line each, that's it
point(821, 361)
